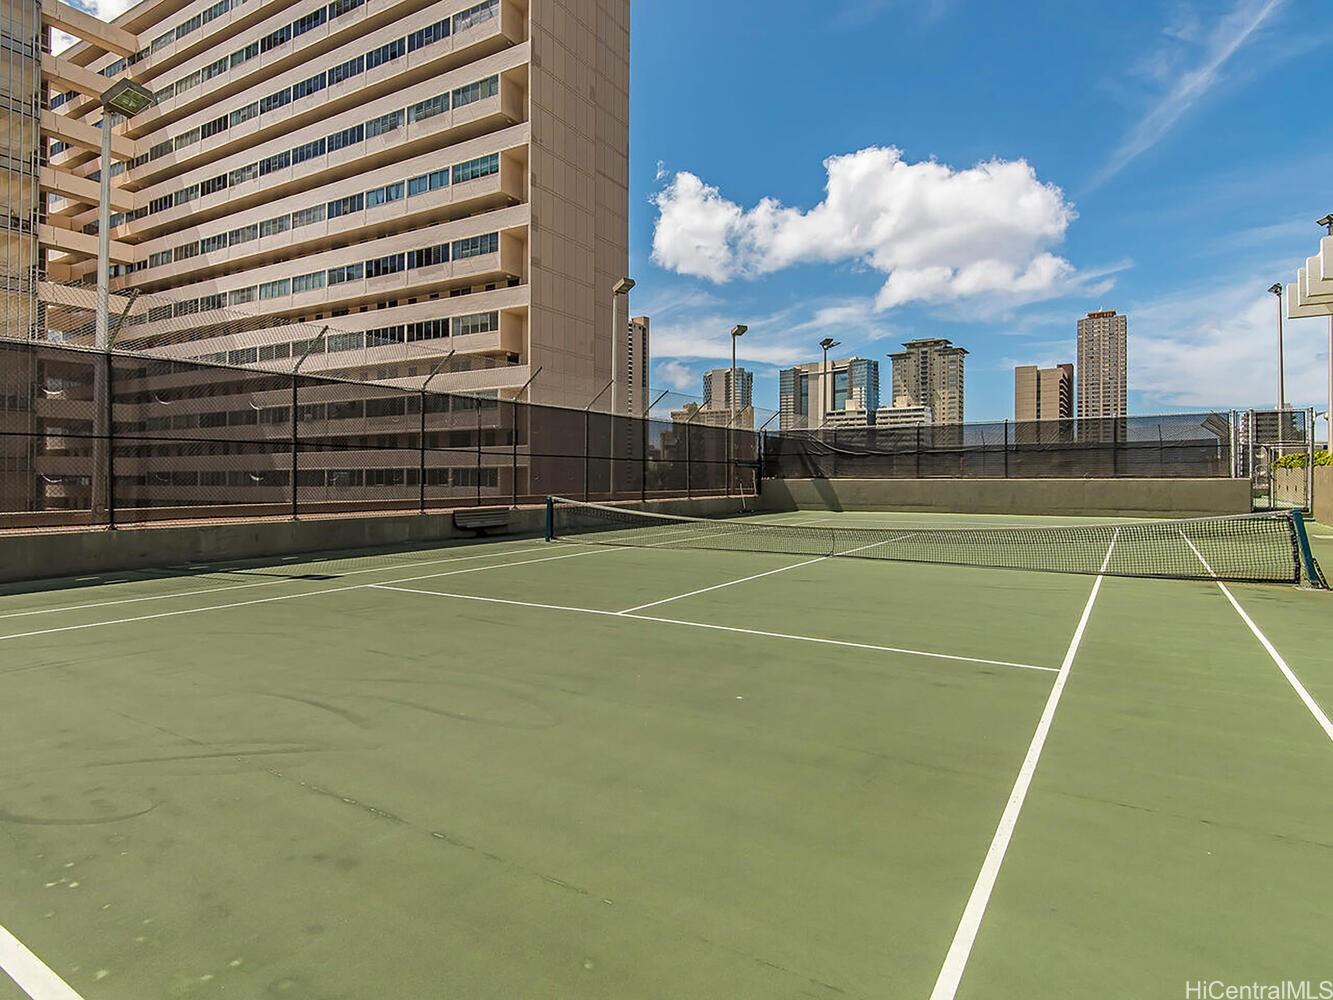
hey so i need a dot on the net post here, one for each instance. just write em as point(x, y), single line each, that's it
point(1307, 564)
point(550, 518)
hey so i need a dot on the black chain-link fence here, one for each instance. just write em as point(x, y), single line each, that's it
point(93, 439)
point(1190, 445)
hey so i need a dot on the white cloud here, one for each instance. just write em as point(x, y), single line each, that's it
point(1186, 80)
point(937, 234)
point(675, 375)
point(1211, 348)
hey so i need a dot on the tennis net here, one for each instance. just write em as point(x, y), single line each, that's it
point(1252, 548)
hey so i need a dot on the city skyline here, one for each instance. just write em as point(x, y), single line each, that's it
point(1184, 240)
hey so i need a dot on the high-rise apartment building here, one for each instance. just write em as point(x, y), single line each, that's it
point(1043, 393)
point(929, 373)
point(1102, 365)
point(420, 176)
point(636, 366)
point(719, 393)
point(808, 394)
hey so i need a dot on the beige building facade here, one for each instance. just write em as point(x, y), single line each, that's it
point(443, 185)
point(1043, 393)
point(1103, 376)
point(929, 373)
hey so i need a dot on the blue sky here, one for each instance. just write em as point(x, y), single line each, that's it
point(1000, 170)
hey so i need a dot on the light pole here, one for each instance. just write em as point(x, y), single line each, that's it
point(127, 99)
point(621, 287)
point(737, 332)
point(828, 343)
point(1281, 381)
point(1327, 223)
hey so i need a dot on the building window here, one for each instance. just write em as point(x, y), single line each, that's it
point(483, 166)
point(345, 206)
point(243, 235)
point(274, 226)
point(347, 137)
point(476, 246)
point(213, 184)
point(383, 124)
point(308, 151)
point(274, 101)
point(425, 36)
point(386, 53)
point(340, 7)
point(275, 39)
point(278, 161)
point(478, 91)
point(384, 335)
point(487, 322)
point(243, 114)
point(349, 272)
point(244, 55)
point(210, 129)
point(186, 139)
point(242, 174)
point(217, 10)
point(185, 251)
point(275, 289)
point(349, 69)
point(312, 20)
point(381, 266)
point(344, 342)
point(428, 109)
point(474, 16)
point(214, 69)
point(308, 282)
point(212, 244)
point(307, 216)
point(384, 195)
point(187, 195)
point(428, 329)
point(240, 296)
point(428, 256)
point(428, 182)
point(188, 82)
point(312, 86)
point(159, 259)
point(207, 303)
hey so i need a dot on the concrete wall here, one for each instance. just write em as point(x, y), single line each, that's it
point(1160, 498)
point(1323, 494)
point(45, 555)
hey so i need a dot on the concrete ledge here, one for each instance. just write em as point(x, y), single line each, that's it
point(1155, 498)
point(1323, 494)
point(47, 555)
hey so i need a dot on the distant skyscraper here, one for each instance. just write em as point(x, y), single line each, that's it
point(1102, 366)
point(809, 393)
point(1043, 393)
point(929, 372)
point(718, 389)
point(636, 365)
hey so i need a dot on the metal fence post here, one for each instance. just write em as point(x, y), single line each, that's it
point(478, 402)
point(917, 454)
point(513, 433)
point(110, 442)
point(1115, 447)
point(1309, 459)
point(421, 443)
point(587, 453)
point(1006, 449)
point(643, 460)
point(296, 422)
point(689, 478)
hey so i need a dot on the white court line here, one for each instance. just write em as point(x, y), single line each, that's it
point(290, 597)
point(719, 586)
point(716, 628)
point(756, 576)
point(249, 586)
point(33, 976)
point(1320, 716)
point(955, 962)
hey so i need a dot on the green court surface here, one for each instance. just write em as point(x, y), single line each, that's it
point(464, 772)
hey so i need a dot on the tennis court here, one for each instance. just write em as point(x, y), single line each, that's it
point(521, 768)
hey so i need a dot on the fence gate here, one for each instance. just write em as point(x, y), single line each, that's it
point(1275, 450)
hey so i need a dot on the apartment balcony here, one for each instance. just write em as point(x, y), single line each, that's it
point(466, 199)
point(491, 117)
